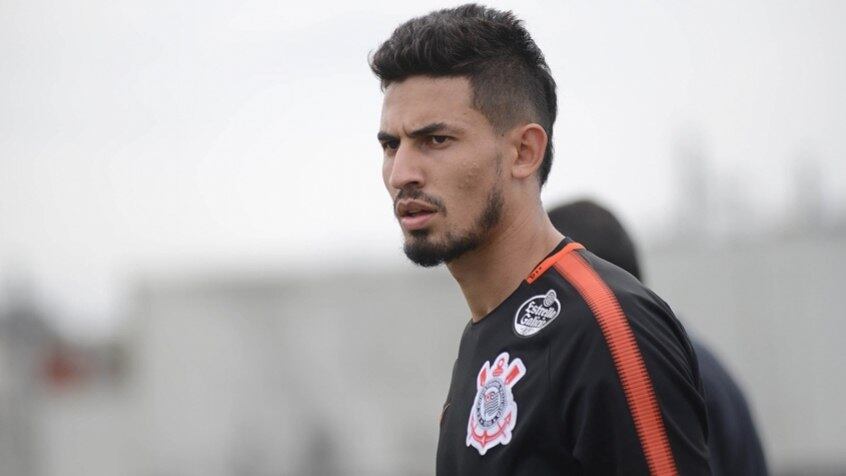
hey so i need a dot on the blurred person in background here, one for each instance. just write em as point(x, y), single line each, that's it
point(735, 448)
point(568, 365)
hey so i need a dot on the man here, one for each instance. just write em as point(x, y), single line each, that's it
point(568, 365)
point(733, 440)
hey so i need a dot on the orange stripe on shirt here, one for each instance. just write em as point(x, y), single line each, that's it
point(547, 263)
point(637, 386)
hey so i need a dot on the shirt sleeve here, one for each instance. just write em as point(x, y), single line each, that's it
point(595, 415)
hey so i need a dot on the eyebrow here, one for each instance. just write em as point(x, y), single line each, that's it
point(385, 137)
point(423, 131)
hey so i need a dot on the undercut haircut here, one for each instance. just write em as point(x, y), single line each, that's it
point(510, 78)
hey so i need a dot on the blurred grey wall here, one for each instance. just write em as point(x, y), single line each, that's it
point(340, 374)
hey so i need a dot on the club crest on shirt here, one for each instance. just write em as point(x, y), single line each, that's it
point(536, 313)
point(494, 411)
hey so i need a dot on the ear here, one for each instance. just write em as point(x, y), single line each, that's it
point(531, 141)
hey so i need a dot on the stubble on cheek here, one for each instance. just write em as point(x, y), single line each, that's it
point(471, 179)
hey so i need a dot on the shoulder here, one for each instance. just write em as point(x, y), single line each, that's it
point(593, 290)
point(607, 290)
point(619, 359)
point(602, 308)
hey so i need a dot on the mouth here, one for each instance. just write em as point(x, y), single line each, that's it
point(416, 221)
point(414, 215)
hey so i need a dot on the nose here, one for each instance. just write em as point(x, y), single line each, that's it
point(406, 168)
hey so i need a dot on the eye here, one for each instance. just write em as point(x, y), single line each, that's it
point(390, 145)
point(438, 140)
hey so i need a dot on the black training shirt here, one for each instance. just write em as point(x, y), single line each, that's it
point(535, 390)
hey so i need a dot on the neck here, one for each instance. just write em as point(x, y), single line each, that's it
point(490, 273)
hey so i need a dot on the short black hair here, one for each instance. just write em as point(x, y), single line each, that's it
point(510, 78)
point(599, 231)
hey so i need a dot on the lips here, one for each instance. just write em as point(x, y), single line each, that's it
point(414, 214)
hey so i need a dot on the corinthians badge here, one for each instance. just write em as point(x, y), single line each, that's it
point(536, 313)
point(494, 411)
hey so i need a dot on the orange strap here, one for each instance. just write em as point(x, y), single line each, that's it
point(637, 386)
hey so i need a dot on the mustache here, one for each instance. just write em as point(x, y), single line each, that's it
point(417, 194)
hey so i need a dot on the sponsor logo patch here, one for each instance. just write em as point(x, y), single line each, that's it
point(536, 313)
point(494, 411)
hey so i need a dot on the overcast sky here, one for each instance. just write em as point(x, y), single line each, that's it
point(137, 137)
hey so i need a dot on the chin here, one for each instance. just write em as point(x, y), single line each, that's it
point(427, 252)
point(422, 234)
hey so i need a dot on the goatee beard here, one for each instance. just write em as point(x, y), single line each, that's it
point(424, 252)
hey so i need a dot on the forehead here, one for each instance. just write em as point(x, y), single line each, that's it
point(421, 100)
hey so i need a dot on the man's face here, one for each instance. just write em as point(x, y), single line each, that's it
point(442, 166)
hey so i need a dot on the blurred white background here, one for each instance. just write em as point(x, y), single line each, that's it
point(169, 173)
